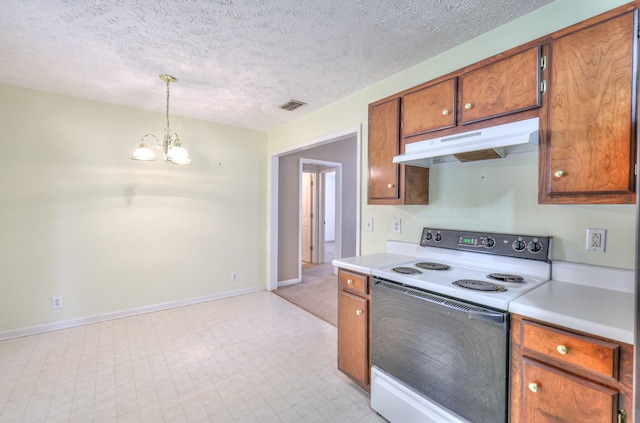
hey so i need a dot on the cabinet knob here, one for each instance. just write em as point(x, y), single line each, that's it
point(468, 106)
point(391, 186)
point(445, 112)
point(558, 174)
point(563, 350)
point(533, 387)
point(358, 312)
point(349, 281)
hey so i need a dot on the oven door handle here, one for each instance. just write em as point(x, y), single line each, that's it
point(487, 315)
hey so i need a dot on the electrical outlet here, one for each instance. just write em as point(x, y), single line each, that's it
point(369, 224)
point(397, 226)
point(596, 239)
point(234, 276)
point(57, 302)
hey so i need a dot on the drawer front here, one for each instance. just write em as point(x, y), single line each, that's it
point(353, 282)
point(582, 351)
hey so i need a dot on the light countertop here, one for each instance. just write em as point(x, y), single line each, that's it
point(591, 299)
point(579, 304)
point(364, 264)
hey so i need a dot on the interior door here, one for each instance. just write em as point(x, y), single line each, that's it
point(308, 182)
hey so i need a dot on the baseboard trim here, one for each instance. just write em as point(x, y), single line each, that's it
point(65, 324)
point(289, 282)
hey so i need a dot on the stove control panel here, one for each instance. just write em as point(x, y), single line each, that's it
point(511, 245)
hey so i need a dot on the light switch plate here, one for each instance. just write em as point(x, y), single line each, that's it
point(369, 224)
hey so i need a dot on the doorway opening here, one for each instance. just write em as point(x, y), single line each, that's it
point(320, 211)
point(307, 229)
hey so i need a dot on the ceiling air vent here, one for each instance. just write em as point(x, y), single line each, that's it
point(292, 105)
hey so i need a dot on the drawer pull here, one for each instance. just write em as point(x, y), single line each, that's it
point(349, 281)
point(563, 350)
point(445, 112)
point(533, 387)
point(359, 312)
point(558, 174)
point(468, 106)
point(391, 185)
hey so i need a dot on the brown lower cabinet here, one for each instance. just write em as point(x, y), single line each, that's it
point(560, 375)
point(353, 327)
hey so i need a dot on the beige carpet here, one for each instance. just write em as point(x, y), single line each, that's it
point(317, 293)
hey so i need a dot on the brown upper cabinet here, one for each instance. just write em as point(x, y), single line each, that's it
point(580, 81)
point(588, 124)
point(502, 87)
point(430, 109)
point(390, 183)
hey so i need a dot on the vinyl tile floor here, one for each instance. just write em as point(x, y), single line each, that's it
point(251, 358)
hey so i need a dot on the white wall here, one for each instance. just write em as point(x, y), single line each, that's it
point(492, 196)
point(329, 206)
point(78, 218)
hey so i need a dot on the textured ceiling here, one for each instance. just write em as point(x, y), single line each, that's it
point(236, 61)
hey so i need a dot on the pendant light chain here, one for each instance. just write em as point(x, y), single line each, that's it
point(168, 127)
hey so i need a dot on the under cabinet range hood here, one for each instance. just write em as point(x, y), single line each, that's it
point(483, 144)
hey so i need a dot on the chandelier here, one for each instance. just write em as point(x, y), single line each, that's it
point(171, 145)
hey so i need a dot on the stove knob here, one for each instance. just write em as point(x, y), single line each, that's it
point(534, 247)
point(519, 245)
point(489, 242)
point(438, 237)
point(428, 236)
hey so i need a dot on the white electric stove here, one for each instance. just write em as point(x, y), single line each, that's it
point(440, 325)
point(503, 278)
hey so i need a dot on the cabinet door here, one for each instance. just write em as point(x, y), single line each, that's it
point(503, 87)
point(353, 337)
point(588, 134)
point(429, 109)
point(384, 144)
point(390, 183)
point(550, 395)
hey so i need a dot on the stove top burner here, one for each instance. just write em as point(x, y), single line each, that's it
point(407, 270)
point(479, 285)
point(432, 266)
point(506, 277)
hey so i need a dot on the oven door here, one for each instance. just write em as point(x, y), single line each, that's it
point(454, 353)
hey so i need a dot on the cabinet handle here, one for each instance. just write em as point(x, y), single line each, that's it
point(445, 112)
point(533, 387)
point(468, 106)
point(558, 174)
point(349, 281)
point(358, 312)
point(563, 350)
point(622, 416)
point(391, 185)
